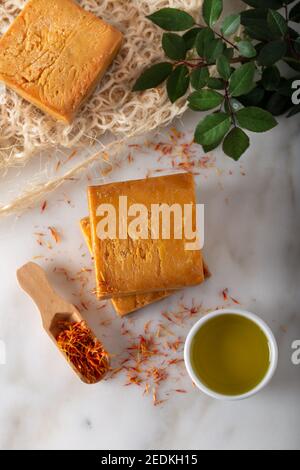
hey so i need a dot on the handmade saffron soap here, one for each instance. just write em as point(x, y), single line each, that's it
point(130, 303)
point(55, 53)
point(127, 264)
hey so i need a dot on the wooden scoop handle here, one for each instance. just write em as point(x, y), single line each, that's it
point(34, 282)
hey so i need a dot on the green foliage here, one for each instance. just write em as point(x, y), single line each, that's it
point(214, 50)
point(212, 128)
point(245, 89)
point(278, 104)
point(172, 19)
point(255, 119)
point(277, 23)
point(212, 10)
point(174, 46)
point(153, 76)
point(190, 37)
point(271, 78)
point(236, 143)
point(203, 40)
point(199, 78)
point(246, 49)
point(230, 25)
point(216, 83)
point(264, 3)
point(272, 52)
point(256, 24)
point(254, 97)
point(242, 80)
point(178, 82)
point(204, 100)
point(223, 67)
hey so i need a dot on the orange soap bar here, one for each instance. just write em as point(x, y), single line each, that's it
point(55, 53)
point(137, 265)
point(131, 303)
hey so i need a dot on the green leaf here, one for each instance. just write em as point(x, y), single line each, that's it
point(212, 128)
point(190, 38)
point(199, 78)
point(174, 46)
point(204, 100)
point(153, 76)
point(277, 23)
point(246, 49)
point(172, 19)
point(178, 83)
point(250, 15)
point(259, 33)
point(236, 143)
point(295, 13)
point(295, 110)
point(241, 81)
point(215, 83)
point(214, 49)
point(256, 25)
point(230, 25)
point(254, 98)
point(272, 53)
point(255, 119)
point(276, 4)
point(271, 78)
point(209, 148)
point(223, 67)
point(211, 11)
point(204, 37)
point(278, 104)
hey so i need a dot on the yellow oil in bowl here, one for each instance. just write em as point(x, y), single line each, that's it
point(230, 354)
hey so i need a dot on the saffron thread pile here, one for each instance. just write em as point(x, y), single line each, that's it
point(83, 350)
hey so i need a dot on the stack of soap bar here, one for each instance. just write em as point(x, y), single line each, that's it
point(125, 305)
point(137, 266)
point(54, 54)
point(127, 266)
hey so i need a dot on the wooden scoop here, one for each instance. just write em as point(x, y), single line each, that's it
point(52, 307)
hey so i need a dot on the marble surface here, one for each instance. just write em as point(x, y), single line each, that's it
point(252, 224)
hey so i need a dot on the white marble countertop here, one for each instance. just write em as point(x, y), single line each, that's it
point(252, 217)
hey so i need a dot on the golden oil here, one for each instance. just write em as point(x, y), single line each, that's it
point(230, 354)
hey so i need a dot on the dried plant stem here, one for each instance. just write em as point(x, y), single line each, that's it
point(34, 194)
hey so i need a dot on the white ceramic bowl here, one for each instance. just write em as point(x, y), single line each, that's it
point(272, 345)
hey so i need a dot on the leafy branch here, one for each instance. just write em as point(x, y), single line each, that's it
point(230, 66)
